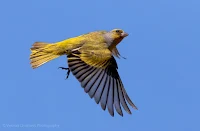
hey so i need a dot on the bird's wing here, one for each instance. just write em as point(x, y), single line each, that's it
point(97, 73)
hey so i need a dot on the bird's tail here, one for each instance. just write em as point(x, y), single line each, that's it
point(43, 52)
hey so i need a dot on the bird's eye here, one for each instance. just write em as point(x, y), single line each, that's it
point(117, 31)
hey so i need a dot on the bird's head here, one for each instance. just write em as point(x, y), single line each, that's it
point(114, 37)
point(118, 34)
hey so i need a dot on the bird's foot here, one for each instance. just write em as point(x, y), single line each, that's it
point(64, 68)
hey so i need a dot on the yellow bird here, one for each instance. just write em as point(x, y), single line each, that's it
point(91, 60)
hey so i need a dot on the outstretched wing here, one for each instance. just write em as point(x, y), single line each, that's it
point(100, 79)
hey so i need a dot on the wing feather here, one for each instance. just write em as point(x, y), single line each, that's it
point(92, 79)
point(116, 98)
point(110, 98)
point(100, 80)
point(96, 84)
point(101, 88)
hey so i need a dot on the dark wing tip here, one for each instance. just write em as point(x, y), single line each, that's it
point(111, 112)
point(103, 106)
point(129, 101)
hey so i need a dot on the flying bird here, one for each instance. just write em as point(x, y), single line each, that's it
point(91, 60)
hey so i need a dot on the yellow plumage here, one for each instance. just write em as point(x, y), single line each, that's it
point(43, 52)
point(90, 59)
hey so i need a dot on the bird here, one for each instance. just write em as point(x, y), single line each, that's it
point(91, 59)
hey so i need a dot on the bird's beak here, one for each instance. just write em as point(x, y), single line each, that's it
point(124, 34)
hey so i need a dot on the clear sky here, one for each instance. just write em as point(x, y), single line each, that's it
point(161, 73)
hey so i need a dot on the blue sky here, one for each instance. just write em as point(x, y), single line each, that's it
point(161, 73)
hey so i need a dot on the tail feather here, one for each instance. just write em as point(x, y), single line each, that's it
point(38, 45)
point(42, 53)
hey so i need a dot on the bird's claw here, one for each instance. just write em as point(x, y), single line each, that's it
point(68, 71)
